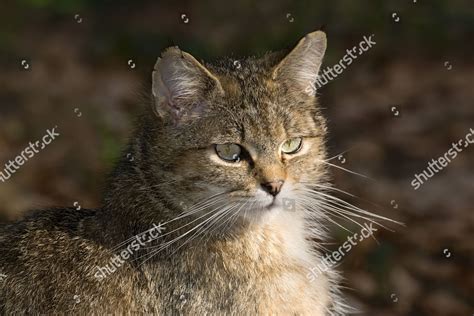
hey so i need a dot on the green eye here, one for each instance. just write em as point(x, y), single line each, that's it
point(292, 145)
point(229, 152)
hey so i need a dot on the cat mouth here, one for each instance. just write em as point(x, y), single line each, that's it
point(272, 205)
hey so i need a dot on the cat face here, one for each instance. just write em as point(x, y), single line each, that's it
point(240, 141)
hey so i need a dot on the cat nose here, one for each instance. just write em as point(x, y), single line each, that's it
point(273, 187)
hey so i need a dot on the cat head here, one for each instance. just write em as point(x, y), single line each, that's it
point(241, 137)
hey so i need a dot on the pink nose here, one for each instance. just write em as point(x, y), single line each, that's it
point(273, 187)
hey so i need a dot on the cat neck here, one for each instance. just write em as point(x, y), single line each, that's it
point(279, 239)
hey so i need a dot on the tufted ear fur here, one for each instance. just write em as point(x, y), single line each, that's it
point(180, 86)
point(299, 69)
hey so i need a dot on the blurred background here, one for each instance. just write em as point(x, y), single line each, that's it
point(82, 65)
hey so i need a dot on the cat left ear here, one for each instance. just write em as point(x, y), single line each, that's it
point(181, 86)
point(299, 69)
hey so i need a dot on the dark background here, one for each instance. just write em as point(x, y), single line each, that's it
point(78, 53)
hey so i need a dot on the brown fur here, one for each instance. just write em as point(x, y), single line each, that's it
point(255, 262)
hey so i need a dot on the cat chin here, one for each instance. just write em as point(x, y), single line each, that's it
point(263, 215)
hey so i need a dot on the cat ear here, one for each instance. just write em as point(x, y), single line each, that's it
point(299, 69)
point(181, 85)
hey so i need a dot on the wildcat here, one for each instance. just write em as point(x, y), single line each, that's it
point(226, 160)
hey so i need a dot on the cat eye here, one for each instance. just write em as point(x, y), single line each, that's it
point(292, 145)
point(229, 152)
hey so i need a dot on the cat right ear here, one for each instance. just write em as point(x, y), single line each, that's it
point(181, 85)
point(299, 69)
